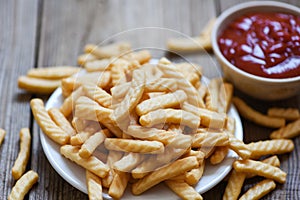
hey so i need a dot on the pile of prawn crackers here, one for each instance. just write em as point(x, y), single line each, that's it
point(130, 123)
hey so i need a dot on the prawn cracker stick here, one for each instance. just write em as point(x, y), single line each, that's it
point(98, 94)
point(23, 185)
point(92, 163)
point(169, 100)
point(87, 57)
point(219, 155)
point(291, 130)
point(225, 96)
point(94, 186)
point(69, 103)
point(118, 74)
point(128, 162)
point(118, 185)
point(98, 65)
point(259, 190)
point(192, 177)
point(38, 85)
point(107, 51)
point(20, 164)
point(174, 169)
point(46, 124)
point(2, 135)
point(209, 139)
point(58, 72)
point(169, 115)
point(234, 185)
point(270, 147)
point(183, 190)
point(214, 91)
point(188, 45)
point(135, 146)
point(61, 121)
point(239, 147)
point(260, 169)
point(142, 56)
point(90, 145)
point(257, 117)
point(161, 85)
point(273, 160)
point(286, 113)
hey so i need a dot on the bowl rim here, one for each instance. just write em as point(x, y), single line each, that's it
point(244, 6)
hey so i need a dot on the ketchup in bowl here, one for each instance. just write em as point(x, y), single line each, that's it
point(263, 44)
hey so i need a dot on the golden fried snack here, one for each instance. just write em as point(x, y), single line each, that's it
point(61, 121)
point(210, 139)
point(94, 186)
point(120, 91)
point(57, 72)
point(118, 72)
point(2, 135)
point(209, 118)
point(161, 85)
point(260, 169)
point(38, 85)
point(259, 190)
point(169, 138)
point(128, 162)
point(214, 91)
point(112, 157)
point(135, 146)
point(192, 177)
point(225, 96)
point(170, 71)
point(270, 147)
point(118, 185)
point(69, 103)
point(183, 190)
point(46, 124)
point(110, 50)
point(273, 160)
point(174, 169)
point(20, 164)
point(97, 94)
point(92, 163)
point(239, 147)
point(291, 130)
point(257, 117)
point(23, 185)
point(234, 185)
point(286, 113)
point(219, 155)
point(84, 58)
point(142, 56)
point(169, 100)
point(98, 65)
point(90, 145)
point(169, 115)
point(132, 98)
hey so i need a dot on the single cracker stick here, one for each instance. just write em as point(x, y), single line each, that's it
point(239, 147)
point(90, 145)
point(98, 65)
point(92, 163)
point(128, 162)
point(212, 97)
point(118, 72)
point(112, 157)
point(208, 118)
point(209, 139)
point(183, 190)
point(118, 185)
point(94, 186)
point(291, 130)
point(192, 177)
point(189, 44)
point(169, 100)
point(120, 91)
point(23, 185)
point(255, 116)
point(161, 85)
point(169, 115)
point(108, 51)
point(135, 146)
point(38, 85)
point(61, 121)
point(286, 113)
point(219, 155)
point(20, 164)
point(87, 57)
point(97, 94)
point(69, 103)
point(174, 169)
point(2, 135)
point(260, 169)
point(225, 96)
point(47, 125)
point(57, 72)
point(234, 185)
point(270, 147)
point(142, 56)
point(273, 160)
point(259, 190)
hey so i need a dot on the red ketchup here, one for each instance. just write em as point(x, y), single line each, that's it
point(264, 44)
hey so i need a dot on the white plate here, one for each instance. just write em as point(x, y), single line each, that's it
point(75, 175)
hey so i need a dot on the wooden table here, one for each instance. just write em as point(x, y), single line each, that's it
point(37, 33)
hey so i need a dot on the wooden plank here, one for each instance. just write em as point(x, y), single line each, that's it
point(68, 25)
point(18, 21)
